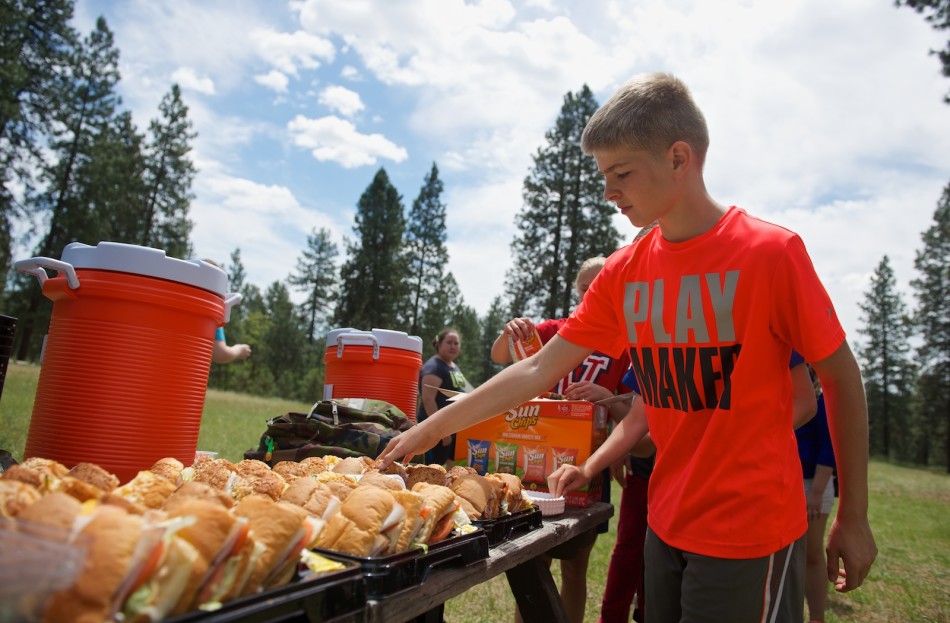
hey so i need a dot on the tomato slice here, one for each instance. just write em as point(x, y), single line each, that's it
point(442, 529)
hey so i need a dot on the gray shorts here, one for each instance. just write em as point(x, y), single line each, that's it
point(682, 587)
point(827, 498)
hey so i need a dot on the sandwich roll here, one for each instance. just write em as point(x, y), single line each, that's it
point(113, 538)
point(283, 530)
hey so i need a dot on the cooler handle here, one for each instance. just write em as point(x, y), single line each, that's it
point(35, 266)
point(356, 337)
point(230, 300)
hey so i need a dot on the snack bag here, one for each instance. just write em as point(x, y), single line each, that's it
point(535, 461)
point(478, 455)
point(522, 349)
point(506, 457)
point(560, 456)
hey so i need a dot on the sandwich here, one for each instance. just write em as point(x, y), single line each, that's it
point(432, 474)
point(375, 479)
point(166, 575)
point(55, 509)
point(51, 468)
point(339, 484)
point(475, 493)
point(88, 481)
point(410, 534)
point(441, 512)
point(219, 473)
point(313, 496)
point(368, 523)
point(15, 496)
point(168, 468)
point(226, 551)
point(113, 537)
point(291, 470)
point(268, 483)
point(246, 467)
point(284, 530)
point(514, 500)
point(353, 466)
point(313, 465)
point(26, 475)
point(147, 489)
point(199, 490)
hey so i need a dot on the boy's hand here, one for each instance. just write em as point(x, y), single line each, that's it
point(519, 328)
point(852, 544)
point(586, 390)
point(408, 444)
point(566, 478)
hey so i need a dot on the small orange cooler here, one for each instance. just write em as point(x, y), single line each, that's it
point(126, 363)
point(378, 364)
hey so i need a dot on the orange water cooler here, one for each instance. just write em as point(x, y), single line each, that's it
point(126, 362)
point(378, 364)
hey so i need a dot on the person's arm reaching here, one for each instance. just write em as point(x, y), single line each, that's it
point(222, 353)
point(512, 386)
point(850, 541)
point(624, 437)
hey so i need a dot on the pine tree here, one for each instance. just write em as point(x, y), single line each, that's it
point(564, 220)
point(113, 180)
point(491, 327)
point(169, 174)
point(938, 15)
point(426, 254)
point(88, 101)
point(316, 278)
point(36, 43)
point(887, 369)
point(932, 318)
point(373, 276)
point(283, 341)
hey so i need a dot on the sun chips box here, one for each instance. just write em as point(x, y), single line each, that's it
point(534, 439)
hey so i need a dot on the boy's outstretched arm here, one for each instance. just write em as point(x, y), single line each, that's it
point(621, 441)
point(850, 541)
point(515, 384)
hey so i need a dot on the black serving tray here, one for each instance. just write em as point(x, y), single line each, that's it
point(322, 598)
point(382, 575)
point(455, 551)
point(508, 527)
point(386, 575)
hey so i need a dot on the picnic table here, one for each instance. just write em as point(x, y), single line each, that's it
point(529, 578)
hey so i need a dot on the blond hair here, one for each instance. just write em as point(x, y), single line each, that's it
point(649, 113)
point(588, 265)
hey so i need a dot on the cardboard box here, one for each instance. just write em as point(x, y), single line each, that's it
point(535, 438)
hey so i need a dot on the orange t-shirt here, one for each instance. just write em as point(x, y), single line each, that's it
point(710, 324)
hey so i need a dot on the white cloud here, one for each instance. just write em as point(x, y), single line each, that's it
point(288, 51)
point(341, 100)
point(261, 220)
point(337, 140)
point(273, 80)
point(188, 79)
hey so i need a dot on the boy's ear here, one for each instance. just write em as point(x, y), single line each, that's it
point(680, 155)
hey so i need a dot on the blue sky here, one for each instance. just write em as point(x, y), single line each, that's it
point(825, 117)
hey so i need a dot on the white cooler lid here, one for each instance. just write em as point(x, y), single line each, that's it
point(146, 261)
point(385, 338)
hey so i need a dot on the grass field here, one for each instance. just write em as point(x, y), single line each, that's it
point(910, 515)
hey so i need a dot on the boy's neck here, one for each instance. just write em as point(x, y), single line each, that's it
point(691, 217)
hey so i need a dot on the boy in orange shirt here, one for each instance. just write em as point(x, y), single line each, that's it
point(709, 306)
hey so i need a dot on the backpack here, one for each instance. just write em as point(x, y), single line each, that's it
point(342, 427)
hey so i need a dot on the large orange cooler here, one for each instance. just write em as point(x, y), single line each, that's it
point(126, 362)
point(378, 364)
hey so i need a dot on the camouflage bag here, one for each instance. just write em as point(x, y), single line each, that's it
point(341, 427)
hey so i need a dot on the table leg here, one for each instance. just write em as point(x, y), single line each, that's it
point(534, 590)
